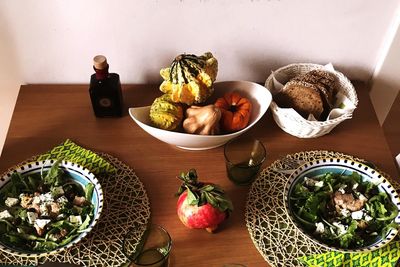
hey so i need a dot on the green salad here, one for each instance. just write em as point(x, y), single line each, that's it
point(342, 210)
point(44, 211)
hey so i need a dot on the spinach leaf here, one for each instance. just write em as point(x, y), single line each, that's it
point(3, 227)
point(45, 246)
point(89, 191)
point(84, 224)
point(54, 175)
point(300, 191)
point(69, 237)
point(346, 238)
point(389, 227)
point(392, 213)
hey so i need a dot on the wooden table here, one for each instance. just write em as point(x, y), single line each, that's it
point(46, 115)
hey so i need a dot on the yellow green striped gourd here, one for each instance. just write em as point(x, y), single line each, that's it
point(190, 78)
point(166, 114)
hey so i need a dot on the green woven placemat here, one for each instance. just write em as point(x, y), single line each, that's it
point(125, 204)
point(275, 237)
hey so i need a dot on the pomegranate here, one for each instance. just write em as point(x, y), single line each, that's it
point(201, 205)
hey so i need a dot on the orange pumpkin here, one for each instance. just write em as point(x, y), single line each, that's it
point(236, 111)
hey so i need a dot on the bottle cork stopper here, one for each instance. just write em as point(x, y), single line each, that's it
point(100, 62)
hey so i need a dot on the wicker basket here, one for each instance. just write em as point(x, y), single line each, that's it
point(294, 124)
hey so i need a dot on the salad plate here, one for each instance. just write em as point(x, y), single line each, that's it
point(47, 206)
point(342, 204)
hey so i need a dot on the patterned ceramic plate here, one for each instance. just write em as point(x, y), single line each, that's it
point(74, 171)
point(345, 167)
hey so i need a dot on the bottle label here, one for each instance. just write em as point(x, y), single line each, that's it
point(105, 102)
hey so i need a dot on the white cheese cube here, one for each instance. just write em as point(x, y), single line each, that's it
point(345, 212)
point(5, 214)
point(342, 229)
point(312, 182)
point(341, 189)
point(355, 186)
point(75, 219)
point(36, 200)
point(11, 201)
point(41, 223)
point(44, 211)
point(320, 228)
point(357, 215)
point(319, 184)
point(62, 200)
point(48, 197)
point(362, 197)
point(32, 216)
point(61, 216)
point(309, 182)
point(367, 218)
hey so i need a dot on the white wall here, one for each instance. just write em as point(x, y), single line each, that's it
point(53, 41)
point(386, 78)
point(10, 79)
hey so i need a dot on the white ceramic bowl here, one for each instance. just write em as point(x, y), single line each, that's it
point(259, 96)
point(74, 172)
point(346, 167)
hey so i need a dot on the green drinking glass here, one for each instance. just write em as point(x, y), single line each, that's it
point(243, 158)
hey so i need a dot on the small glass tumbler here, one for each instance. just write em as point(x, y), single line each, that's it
point(243, 158)
point(150, 248)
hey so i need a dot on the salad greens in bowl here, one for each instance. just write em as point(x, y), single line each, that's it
point(343, 205)
point(47, 206)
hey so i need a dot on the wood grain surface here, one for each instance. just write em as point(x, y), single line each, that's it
point(46, 115)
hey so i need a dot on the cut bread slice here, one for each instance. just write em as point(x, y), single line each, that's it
point(303, 97)
point(324, 81)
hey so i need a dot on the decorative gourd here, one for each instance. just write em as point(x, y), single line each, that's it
point(202, 120)
point(166, 114)
point(189, 79)
point(236, 111)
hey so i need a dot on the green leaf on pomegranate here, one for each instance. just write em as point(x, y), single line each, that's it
point(225, 204)
point(207, 188)
point(218, 189)
point(203, 199)
point(210, 199)
point(191, 198)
